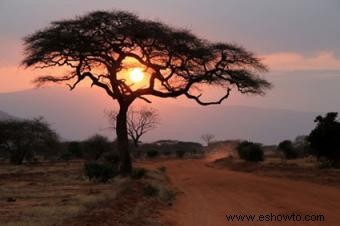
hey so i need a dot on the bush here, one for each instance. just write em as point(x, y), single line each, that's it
point(288, 149)
point(152, 153)
point(96, 146)
point(66, 156)
point(150, 191)
point(75, 149)
point(100, 172)
point(250, 151)
point(166, 153)
point(180, 153)
point(138, 173)
point(162, 169)
point(325, 163)
point(111, 158)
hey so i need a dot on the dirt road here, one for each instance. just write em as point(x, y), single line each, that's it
point(208, 194)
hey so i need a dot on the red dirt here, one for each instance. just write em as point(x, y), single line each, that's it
point(207, 194)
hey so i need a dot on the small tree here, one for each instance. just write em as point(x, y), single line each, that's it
point(207, 138)
point(325, 138)
point(102, 46)
point(139, 122)
point(21, 139)
point(288, 149)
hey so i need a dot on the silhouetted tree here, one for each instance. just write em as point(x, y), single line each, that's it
point(101, 46)
point(21, 139)
point(325, 138)
point(139, 122)
point(207, 138)
point(288, 149)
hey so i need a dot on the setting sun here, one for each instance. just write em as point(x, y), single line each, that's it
point(136, 75)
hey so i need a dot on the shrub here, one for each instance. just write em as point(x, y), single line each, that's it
point(166, 153)
point(75, 149)
point(288, 149)
point(136, 153)
point(150, 191)
point(152, 153)
point(250, 151)
point(138, 173)
point(324, 163)
point(194, 151)
point(162, 169)
point(180, 153)
point(96, 146)
point(100, 172)
point(111, 158)
point(66, 156)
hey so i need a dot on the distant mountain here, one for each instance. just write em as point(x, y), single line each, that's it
point(80, 113)
point(5, 116)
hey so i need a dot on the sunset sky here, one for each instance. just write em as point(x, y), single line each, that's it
point(290, 35)
point(298, 39)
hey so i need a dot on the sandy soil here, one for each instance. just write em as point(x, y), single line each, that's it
point(207, 194)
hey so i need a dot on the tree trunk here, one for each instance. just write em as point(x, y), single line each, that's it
point(135, 142)
point(125, 166)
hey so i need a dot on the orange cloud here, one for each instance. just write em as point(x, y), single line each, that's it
point(289, 61)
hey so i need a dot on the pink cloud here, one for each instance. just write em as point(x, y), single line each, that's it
point(289, 61)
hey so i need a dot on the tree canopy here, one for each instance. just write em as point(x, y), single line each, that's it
point(21, 139)
point(99, 45)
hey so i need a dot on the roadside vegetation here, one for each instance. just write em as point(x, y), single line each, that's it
point(60, 194)
point(313, 158)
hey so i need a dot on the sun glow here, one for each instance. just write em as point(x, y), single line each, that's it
point(136, 75)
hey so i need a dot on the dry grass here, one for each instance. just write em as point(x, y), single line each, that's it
point(133, 207)
point(48, 194)
point(57, 194)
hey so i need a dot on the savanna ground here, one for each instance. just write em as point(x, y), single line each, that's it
point(207, 194)
point(220, 185)
point(58, 194)
point(207, 189)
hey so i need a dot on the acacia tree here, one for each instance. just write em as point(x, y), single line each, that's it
point(21, 139)
point(139, 122)
point(100, 45)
